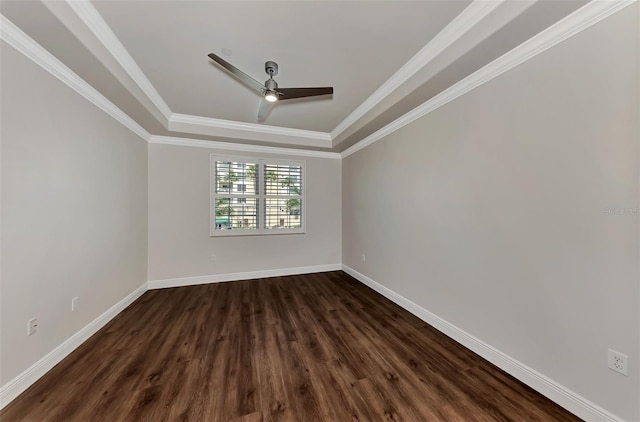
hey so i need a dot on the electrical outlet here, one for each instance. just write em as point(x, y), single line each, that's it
point(32, 326)
point(364, 257)
point(618, 362)
point(75, 302)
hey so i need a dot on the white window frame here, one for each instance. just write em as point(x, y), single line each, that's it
point(261, 196)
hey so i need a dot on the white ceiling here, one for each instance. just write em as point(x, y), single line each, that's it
point(353, 47)
point(383, 58)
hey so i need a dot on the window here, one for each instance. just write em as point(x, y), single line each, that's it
point(283, 196)
point(252, 196)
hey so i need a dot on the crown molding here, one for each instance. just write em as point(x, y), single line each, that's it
point(188, 123)
point(255, 132)
point(96, 24)
point(583, 18)
point(260, 149)
point(24, 44)
point(468, 18)
point(590, 14)
point(249, 127)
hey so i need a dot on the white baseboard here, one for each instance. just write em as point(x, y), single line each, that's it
point(16, 386)
point(219, 278)
point(566, 398)
point(539, 382)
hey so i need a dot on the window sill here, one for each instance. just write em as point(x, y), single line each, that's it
point(272, 232)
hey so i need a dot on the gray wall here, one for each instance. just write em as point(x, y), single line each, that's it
point(491, 212)
point(74, 212)
point(179, 241)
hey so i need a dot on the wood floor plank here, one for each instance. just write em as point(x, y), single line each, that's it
point(317, 347)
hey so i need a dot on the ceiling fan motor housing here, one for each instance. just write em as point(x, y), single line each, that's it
point(271, 85)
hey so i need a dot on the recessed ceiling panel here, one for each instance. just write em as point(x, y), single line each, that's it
point(352, 46)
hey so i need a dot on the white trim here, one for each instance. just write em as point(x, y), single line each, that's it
point(255, 132)
point(181, 122)
point(17, 39)
point(583, 18)
point(220, 278)
point(16, 386)
point(468, 18)
point(96, 24)
point(199, 143)
point(534, 379)
point(544, 385)
point(249, 127)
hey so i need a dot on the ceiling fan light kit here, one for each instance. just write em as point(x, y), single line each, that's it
point(271, 96)
point(270, 91)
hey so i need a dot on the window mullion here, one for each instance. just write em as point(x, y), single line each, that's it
point(261, 197)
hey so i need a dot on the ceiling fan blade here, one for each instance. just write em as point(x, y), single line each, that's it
point(290, 93)
point(238, 73)
point(264, 109)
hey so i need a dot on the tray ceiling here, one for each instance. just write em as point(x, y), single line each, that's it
point(383, 59)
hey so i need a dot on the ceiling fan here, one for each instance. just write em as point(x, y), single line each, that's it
point(269, 90)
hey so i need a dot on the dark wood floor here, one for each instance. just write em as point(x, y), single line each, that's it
point(299, 348)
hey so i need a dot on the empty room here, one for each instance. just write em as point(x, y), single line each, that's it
point(319, 210)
